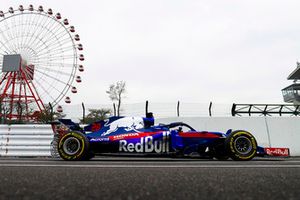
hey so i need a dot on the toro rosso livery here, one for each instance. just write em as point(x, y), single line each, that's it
point(139, 135)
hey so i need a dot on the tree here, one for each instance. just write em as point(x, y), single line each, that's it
point(26, 114)
point(3, 112)
point(17, 109)
point(96, 115)
point(47, 116)
point(115, 93)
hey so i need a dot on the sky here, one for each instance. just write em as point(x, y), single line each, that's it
point(194, 51)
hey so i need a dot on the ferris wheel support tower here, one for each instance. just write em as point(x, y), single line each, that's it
point(19, 91)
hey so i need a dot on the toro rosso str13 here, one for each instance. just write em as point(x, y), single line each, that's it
point(140, 135)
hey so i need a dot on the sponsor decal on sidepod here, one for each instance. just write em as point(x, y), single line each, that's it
point(99, 140)
point(147, 144)
point(128, 123)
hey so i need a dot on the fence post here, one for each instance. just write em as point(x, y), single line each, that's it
point(146, 107)
point(296, 112)
point(233, 110)
point(209, 108)
point(83, 112)
point(280, 110)
point(51, 111)
point(178, 104)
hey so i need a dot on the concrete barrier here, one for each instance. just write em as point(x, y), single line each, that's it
point(285, 132)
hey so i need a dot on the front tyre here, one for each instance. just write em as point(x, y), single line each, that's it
point(241, 145)
point(74, 146)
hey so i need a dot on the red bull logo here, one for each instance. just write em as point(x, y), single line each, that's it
point(277, 151)
point(147, 145)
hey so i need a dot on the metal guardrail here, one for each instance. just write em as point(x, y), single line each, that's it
point(25, 140)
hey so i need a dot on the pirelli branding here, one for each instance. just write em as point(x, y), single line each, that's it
point(147, 144)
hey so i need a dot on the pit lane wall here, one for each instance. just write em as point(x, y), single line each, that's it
point(35, 140)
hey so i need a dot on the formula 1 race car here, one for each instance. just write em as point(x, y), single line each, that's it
point(138, 135)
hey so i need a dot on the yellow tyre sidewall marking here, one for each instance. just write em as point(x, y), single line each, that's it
point(77, 136)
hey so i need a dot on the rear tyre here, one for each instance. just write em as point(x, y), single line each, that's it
point(74, 146)
point(241, 145)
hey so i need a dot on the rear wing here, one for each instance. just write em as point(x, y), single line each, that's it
point(65, 125)
point(70, 124)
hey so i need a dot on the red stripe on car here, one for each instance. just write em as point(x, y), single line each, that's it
point(198, 135)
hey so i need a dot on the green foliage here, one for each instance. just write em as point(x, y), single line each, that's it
point(26, 115)
point(96, 115)
point(17, 108)
point(46, 116)
point(3, 113)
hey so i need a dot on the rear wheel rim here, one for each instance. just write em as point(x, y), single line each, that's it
point(71, 146)
point(243, 145)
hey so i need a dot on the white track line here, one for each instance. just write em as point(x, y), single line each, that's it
point(147, 163)
point(149, 166)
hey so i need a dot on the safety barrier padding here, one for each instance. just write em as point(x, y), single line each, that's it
point(25, 140)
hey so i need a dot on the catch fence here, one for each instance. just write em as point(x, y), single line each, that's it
point(160, 110)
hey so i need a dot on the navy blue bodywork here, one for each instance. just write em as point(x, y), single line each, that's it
point(140, 135)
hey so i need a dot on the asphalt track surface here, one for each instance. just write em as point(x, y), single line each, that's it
point(149, 178)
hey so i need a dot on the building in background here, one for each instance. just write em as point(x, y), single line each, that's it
point(291, 93)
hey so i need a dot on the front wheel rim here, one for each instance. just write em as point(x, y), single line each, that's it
point(243, 145)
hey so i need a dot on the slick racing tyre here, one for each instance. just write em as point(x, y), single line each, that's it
point(241, 145)
point(74, 146)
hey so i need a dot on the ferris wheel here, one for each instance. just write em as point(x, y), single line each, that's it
point(40, 56)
